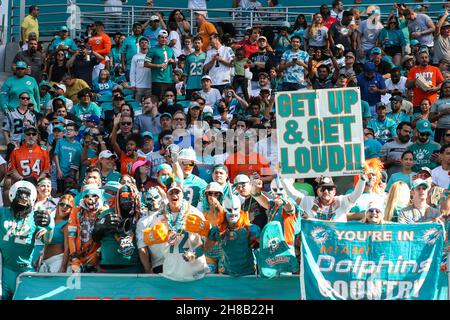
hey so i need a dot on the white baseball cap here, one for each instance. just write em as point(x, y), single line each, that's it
point(241, 178)
point(154, 18)
point(61, 86)
point(202, 12)
point(106, 154)
point(163, 33)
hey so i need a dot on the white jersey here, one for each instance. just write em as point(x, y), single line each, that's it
point(440, 177)
point(174, 266)
point(336, 212)
point(157, 251)
point(15, 121)
point(220, 74)
point(140, 77)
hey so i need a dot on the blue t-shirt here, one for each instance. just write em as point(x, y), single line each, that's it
point(152, 35)
point(364, 83)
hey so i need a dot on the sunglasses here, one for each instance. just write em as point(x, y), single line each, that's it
point(240, 185)
point(29, 134)
point(447, 134)
point(323, 189)
point(188, 164)
point(178, 119)
point(126, 123)
point(65, 205)
point(374, 210)
point(25, 98)
point(206, 142)
point(424, 133)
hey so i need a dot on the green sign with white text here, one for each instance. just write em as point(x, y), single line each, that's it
point(320, 132)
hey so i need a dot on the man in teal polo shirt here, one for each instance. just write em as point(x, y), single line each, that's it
point(129, 48)
point(17, 84)
point(161, 60)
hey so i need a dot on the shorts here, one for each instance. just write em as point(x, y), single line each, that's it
point(52, 264)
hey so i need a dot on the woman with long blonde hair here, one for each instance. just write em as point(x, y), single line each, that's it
point(56, 253)
point(399, 197)
point(316, 35)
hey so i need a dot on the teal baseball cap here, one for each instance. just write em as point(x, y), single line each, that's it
point(60, 128)
point(21, 65)
point(63, 28)
point(376, 50)
point(423, 126)
point(147, 134)
point(45, 83)
point(166, 114)
point(414, 42)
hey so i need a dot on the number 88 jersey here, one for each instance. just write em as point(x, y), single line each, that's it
point(29, 161)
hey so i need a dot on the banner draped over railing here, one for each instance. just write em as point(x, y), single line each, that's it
point(152, 287)
point(355, 261)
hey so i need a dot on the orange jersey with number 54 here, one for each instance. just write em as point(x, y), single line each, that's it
point(29, 161)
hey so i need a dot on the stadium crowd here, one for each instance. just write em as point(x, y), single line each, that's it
point(156, 152)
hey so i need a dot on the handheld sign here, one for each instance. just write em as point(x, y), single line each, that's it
point(320, 133)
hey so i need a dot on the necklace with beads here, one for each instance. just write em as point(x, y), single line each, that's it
point(175, 224)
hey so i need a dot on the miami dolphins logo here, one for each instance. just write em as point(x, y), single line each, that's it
point(420, 155)
point(273, 244)
point(431, 236)
point(320, 235)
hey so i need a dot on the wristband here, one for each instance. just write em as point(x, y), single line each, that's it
point(198, 252)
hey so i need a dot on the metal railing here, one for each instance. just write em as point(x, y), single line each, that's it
point(52, 17)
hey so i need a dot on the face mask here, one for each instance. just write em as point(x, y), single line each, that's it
point(170, 102)
point(233, 209)
point(164, 179)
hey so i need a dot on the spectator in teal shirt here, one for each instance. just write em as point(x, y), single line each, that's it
point(44, 88)
point(397, 115)
point(67, 156)
point(161, 60)
point(406, 174)
point(371, 146)
point(129, 48)
point(85, 107)
point(17, 84)
point(383, 127)
point(63, 42)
